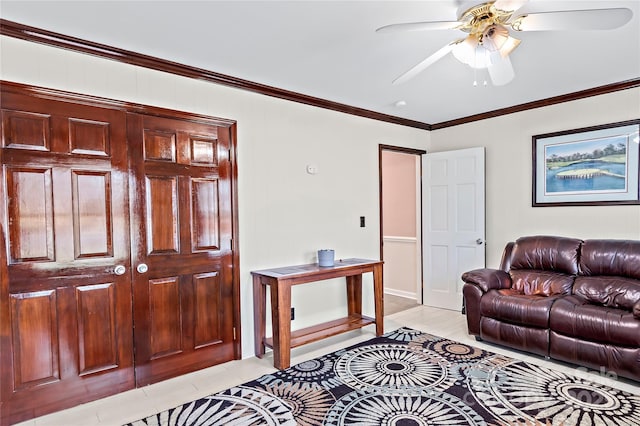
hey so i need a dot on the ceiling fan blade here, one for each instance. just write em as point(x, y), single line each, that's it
point(424, 64)
point(500, 70)
point(419, 26)
point(509, 5)
point(572, 20)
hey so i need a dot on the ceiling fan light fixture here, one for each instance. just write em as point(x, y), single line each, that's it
point(489, 24)
point(464, 50)
point(501, 70)
point(471, 52)
point(496, 38)
point(509, 46)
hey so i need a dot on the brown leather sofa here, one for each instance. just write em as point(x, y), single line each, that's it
point(564, 298)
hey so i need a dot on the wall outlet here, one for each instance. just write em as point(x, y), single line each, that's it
point(293, 314)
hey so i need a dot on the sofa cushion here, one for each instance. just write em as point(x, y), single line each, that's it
point(534, 340)
point(614, 292)
point(577, 317)
point(541, 283)
point(610, 360)
point(611, 257)
point(546, 253)
point(517, 308)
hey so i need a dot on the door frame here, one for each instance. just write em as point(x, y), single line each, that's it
point(419, 153)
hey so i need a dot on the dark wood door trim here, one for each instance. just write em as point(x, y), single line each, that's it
point(90, 100)
point(5, 325)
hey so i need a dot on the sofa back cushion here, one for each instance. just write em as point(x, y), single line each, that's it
point(620, 258)
point(614, 292)
point(544, 265)
point(541, 283)
point(610, 273)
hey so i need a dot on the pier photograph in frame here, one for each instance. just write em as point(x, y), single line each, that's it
point(589, 166)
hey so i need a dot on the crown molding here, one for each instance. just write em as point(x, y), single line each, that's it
point(37, 35)
point(596, 91)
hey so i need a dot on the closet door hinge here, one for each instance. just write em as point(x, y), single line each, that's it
point(234, 333)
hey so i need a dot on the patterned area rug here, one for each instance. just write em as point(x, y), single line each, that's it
point(408, 377)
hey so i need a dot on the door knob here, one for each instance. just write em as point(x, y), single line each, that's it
point(142, 268)
point(119, 270)
point(479, 241)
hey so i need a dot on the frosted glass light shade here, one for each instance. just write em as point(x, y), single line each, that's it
point(497, 38)
point(472, 53)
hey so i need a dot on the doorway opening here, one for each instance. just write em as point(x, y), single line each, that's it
point(400, 226)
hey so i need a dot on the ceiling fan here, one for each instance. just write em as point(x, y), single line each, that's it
point(490, 43)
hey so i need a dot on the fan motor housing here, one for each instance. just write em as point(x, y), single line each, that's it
point(477, 19)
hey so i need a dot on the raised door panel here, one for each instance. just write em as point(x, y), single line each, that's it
point(65, 207)
point(92, 215)
point(97, 332)
point(35, 361)
point(165, 317)
point(89, 137)
point(31, 211)
point(159, 145)
point(162, 214)
point(208, 309)
point(205, 230)
point(26, 130)
point(204, 151)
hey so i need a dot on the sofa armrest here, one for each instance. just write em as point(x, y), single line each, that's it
point(636, 310)
point(487, 278)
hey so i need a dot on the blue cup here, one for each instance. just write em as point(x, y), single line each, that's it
point(325, 257)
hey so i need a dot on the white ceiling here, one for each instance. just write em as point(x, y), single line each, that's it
point(329, 49)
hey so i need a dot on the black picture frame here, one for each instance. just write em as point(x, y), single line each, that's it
point(590, 166)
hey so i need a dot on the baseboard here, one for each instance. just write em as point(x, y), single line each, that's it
point(400, 293)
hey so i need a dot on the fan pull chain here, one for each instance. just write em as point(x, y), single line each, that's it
point(475, 79)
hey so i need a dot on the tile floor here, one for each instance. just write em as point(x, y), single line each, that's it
point(138, 403)
point(394, 304)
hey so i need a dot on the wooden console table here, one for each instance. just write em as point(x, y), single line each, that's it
point(280, 280)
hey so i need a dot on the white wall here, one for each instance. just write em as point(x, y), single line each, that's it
point(285, 214)
point(509, 171)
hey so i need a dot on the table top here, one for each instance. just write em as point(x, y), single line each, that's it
point(313, 268)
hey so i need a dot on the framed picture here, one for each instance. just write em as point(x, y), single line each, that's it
point(587, 167)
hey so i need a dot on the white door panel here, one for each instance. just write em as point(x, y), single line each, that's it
point(453, 223)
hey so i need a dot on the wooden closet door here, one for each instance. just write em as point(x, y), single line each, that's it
point(182, 256)
point(65, 314)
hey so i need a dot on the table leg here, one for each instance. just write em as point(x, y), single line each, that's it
point(378, 294)
point(354, 294)
point(259, 315)
point(281, 323)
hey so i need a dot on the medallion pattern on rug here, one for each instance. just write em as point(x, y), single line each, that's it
point(408, 377)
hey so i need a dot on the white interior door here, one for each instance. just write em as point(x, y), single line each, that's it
point(453, 223)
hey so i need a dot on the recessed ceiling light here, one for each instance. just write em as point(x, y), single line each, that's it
point(400, 104)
